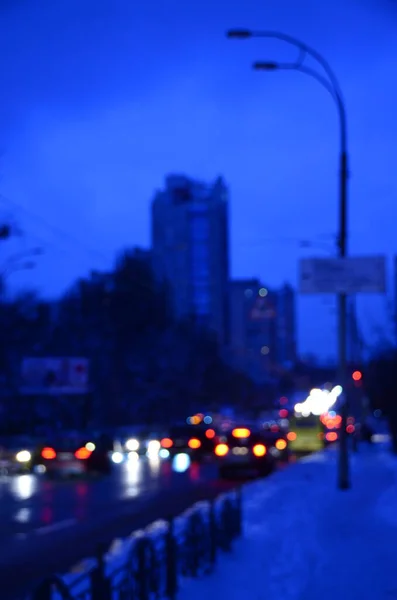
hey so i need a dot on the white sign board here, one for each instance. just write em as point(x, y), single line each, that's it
point(352, 275)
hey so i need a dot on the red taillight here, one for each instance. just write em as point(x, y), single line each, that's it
point(210, 434)
point(194, 443)
point(82, 453)
point(166, 443)
point(331, 436)
point(48, 453)
point(221, 449)
point(350, 429)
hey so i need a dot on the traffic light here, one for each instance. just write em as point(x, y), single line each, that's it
point(357, 376)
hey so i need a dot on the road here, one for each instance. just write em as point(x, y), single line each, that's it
point(48, 526)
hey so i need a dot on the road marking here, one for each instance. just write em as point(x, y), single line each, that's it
point(55, 526)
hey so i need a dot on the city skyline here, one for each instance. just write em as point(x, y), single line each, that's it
point(85, 144)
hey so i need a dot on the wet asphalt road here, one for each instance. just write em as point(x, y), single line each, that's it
point(48, 526)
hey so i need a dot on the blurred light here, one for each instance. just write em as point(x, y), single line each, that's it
point(332, 414)
point(48, 453)
point(194, 443)
point(82, 453)
point(283, 400)
point(90, 446)
point(337, 390)
point(40, 469)
point(350, 429)
point(117, 458)
point(259, 450)
point(196, 420)
point(166, 443)
point(263, 292)
point(283, 413)
point(210, 434)
point(23, 456)
point(221, 449)
point(331, 436)
point(24, 486)
point(133, 456)
point(377, 413)
point(291, 436)
point(181, 463)
point(208, 420)
point(164, 453)
point(281, 444)
point(132, 445)
point(153, 447)
point(189, 421)
point(298, 407)
point(265, 350)
point(357, 376)
point(241, 432)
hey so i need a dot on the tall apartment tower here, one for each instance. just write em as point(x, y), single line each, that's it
point(190, 249)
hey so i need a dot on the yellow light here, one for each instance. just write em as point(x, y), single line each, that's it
point(194, 444)
point(281, 444)
point(221, 449)
point(259, 450)
point(241, 432)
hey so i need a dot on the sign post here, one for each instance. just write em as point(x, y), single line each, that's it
point(343, 276)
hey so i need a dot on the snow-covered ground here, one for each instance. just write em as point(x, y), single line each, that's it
point(305, 540)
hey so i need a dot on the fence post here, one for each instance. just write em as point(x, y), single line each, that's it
point(100, 584)
point(142, 575)
point(213, 534)
point(171, 586)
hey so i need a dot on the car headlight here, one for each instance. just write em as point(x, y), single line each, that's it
point(23, 456)
point(153, 447)
point(132, 445)
point(117, 457)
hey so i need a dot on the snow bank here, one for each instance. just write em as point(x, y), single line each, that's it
point(305, 540)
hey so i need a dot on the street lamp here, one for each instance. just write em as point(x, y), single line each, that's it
point(331, 84)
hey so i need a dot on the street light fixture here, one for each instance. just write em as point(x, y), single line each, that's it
point(331, 84)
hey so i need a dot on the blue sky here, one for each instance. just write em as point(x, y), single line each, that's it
point(101, 99)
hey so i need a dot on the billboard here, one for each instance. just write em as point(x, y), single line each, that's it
point(54, 376)
point(352, 275)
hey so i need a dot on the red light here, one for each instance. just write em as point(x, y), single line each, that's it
point(331, 436)
point(291, 436)
point(210, 434)
point(283, 400)
point(167, 443)
point(283, 413)
point(350, 429)
point(357, 376)
point(82, 453)
point(48, 453)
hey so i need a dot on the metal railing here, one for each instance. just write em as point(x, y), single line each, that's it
point(151, 563)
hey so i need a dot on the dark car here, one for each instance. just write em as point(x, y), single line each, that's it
point(70, 456)
point(242, 451)
point(198, 442)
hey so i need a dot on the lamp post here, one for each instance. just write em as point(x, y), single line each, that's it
point(331, 84)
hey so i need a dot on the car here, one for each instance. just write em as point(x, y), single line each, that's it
point(16, 454)
point(243, 451)
point(71, 456)
point(196, 441)
point(277, 444)
point(143, 443)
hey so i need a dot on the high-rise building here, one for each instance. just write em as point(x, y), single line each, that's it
point(262, 328)
point(190, 249)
